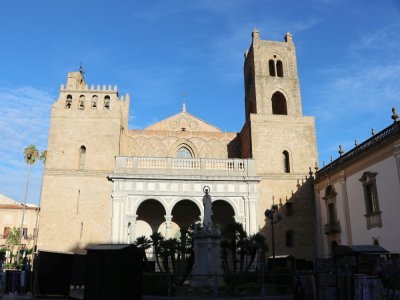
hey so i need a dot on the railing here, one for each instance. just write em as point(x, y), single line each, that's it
point(332, 228)
point(233, 164)
point(374, 220)
point(392, 130)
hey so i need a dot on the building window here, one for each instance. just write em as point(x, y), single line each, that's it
point(373, 214)
point(82, 157)
point(25, 233)
point(333, 225)
point(290, 239)
point(286, 163)
point(6, 232)
point(271, 64)
point(107, 102)
point(183, 152)
point(82, 102)
point(279, 104)
point(94, 101)
point(279, 68)
point(289, 209)
point(68, 101)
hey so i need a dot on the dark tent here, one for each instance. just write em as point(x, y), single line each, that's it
point(113, 272)
point(52, 271)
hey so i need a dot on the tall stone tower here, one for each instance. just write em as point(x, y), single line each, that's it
point(282, 142)
point(85, 136)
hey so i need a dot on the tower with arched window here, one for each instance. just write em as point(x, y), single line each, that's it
point(277, 136)
point(87, 124)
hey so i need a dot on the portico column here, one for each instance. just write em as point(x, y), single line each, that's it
point(168, 219)
point(252, 219)
point(131, 229)
point(116, 224)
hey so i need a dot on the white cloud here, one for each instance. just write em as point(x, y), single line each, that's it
point(367, 81)
point(24, 121)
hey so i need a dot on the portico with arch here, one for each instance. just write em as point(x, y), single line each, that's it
point(142, 207)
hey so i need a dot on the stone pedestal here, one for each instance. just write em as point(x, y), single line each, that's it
point(207, 271)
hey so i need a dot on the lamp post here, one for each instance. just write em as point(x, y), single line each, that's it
point(274, 216)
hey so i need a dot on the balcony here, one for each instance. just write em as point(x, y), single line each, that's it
point(374, 220)
point(184, 166)
point(332, 228)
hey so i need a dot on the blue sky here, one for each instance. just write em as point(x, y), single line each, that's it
point(164, 53)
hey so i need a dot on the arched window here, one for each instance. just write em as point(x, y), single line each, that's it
point(279, 68)
point(107, 102)
point(68, 102)
point(183, 152)
point(94, 101)
point(271, 64)
point(290, 239)
point(329, 192)
point(82, 157)
point(279, 104)
point(82, 102)
point(286, 163)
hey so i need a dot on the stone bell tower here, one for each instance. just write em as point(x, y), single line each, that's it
point(279, 138)
point(87, 127)
point(271, 79)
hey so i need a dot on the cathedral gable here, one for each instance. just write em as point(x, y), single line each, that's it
point(183, 121)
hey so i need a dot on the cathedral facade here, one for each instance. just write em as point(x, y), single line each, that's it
point(104, 183)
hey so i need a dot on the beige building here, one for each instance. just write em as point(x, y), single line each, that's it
point(11, 213)
point(106, 183)
point(357, 195)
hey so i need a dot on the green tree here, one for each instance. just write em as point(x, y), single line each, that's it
point(13, 238)
point(31, 154)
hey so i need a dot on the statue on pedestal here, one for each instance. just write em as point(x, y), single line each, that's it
point(207, 270)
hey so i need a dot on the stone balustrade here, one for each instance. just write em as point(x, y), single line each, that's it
point(233, 166)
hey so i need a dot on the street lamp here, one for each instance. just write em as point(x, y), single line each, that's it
point(274, 216)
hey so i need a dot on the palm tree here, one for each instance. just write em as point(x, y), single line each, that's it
point(31, 154)
point(233, 236)
point(157, 238)
point(256, 244)
point(143, 243)
point(43, 156)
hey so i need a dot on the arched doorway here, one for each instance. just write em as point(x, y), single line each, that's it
point(223, 213)
point(150, 215)
point(185, 213)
